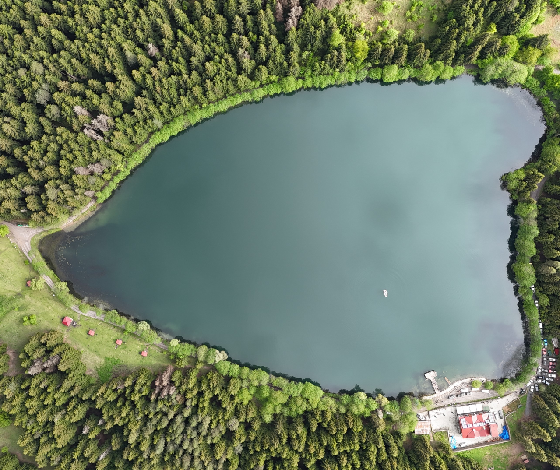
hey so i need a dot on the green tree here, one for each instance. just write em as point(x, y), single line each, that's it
point(385, 7)
point(4, 230)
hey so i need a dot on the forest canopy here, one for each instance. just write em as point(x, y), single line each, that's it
point(84, 84)
point(199, 418)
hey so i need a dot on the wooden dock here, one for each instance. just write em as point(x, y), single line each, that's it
point(431, 376)
point(447, 380)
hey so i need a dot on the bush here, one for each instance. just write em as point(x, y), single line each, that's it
point(506, 69)
point(150, 336)
point(4, 230)
point(476, 384)
point(488, 385)
point(5, 420)
point(385, 8)
point(38, 283)
point(30, 319)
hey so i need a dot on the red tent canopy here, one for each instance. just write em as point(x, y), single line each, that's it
point(144, 353)
point(91, 333)
point(67, 321)
point(119, 342)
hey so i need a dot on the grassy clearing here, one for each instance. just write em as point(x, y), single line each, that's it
point(515, 418)
point(13, 275)
point(550, 26)
point(8, 438)
point(423, 25)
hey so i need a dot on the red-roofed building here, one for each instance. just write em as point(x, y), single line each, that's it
point(119, 342)
point(67, 321)
point(144, 353)
point(478, 425)
point(91, 333)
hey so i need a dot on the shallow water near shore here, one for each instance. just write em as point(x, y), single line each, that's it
point(272, 231)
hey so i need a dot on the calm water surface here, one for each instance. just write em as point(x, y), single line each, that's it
point(272, 231)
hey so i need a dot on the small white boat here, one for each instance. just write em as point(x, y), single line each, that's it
point(384, 292)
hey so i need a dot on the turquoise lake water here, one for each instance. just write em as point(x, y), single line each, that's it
point(272, 231)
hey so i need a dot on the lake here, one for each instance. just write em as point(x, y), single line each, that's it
point(272, 231)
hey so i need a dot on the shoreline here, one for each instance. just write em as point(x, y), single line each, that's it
point(25, 236)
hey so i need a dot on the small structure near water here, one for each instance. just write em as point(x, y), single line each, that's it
point(431, 376)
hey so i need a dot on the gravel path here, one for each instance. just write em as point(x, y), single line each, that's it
point(535, 194)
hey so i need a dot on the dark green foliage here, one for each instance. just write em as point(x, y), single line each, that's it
point(10, 462)
point(199, 418)
point(4, 359)
point(89, 88)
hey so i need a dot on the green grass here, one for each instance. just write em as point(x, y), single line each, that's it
point(49, 311)
point(503, 456)
point(513, 419)
point(105, 372)
point(99, 354)
point(8, 438)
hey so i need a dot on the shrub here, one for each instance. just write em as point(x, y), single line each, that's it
point(5, 420)
point(488, 385)
point(385, 7)
point(4, 230)
point(38, 283)
point(30, 319)
point(476, 384)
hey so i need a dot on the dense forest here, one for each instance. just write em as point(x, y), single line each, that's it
point(198, 418)
point(85, 84)
point(539, 435)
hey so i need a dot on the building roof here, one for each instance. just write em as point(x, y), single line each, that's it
point(144, 353)
point(469, 409)
point(91, 332)
point(67, 321)
point(478, 425)
point(422, 427)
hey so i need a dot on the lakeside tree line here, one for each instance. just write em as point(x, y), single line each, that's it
point(199, 418)
point(85, 84)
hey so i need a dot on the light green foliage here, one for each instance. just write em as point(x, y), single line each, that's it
point(476, 384)
point(37, 283)
point(385, 7)
point(30, 319)
point(4, 230)
point(336, 38)
point(549, 161)
point(528, 55)
point(5, 420)
point(360, 49)
point(426, 73)
point(391, 35)
point(502, 68)
point(390, 73)
point(488, 385)
point(409, 35)
point(143, 326)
